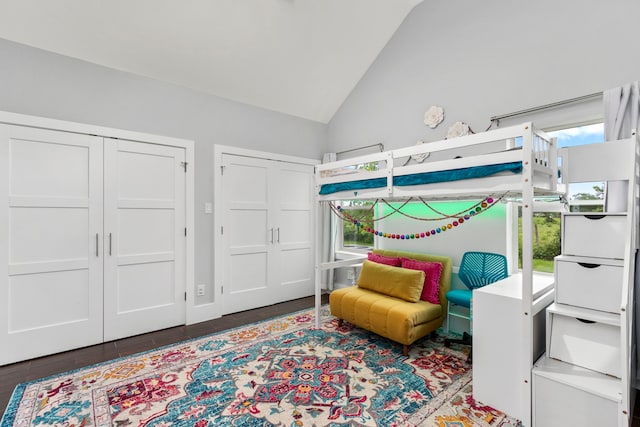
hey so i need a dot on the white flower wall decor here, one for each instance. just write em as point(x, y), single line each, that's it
point(458, 129)
point(420, 157)
point(433, 116)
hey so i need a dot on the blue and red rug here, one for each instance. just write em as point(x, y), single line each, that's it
point(279, 372)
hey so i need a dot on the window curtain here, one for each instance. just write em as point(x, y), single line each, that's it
point(328, 244)
point(328, 233)
point(621, 118)
point(621, 111)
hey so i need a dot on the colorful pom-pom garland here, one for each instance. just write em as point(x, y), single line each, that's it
point(481, 207)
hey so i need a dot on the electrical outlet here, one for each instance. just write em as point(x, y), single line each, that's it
point(200, 290)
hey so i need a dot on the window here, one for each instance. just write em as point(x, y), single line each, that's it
point(349, 236)
point(581, 197)
point(354, 237)
point(585, 196)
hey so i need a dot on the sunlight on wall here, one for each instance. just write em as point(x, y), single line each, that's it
point(486, 231)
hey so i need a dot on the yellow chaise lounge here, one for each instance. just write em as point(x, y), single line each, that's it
point(386, 299)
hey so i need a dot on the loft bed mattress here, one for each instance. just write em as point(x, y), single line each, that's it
point(424, 177)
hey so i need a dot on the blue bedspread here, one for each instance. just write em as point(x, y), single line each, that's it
point(424, 178)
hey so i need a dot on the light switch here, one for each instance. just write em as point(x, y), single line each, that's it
point(200, 290)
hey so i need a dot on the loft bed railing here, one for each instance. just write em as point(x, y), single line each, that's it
point(492, 156)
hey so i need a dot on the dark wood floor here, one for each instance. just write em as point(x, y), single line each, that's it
point(12, 375)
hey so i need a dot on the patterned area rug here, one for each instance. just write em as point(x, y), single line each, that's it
point(278, 372)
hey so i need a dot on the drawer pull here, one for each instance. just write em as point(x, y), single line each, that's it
point(594, 216)
point(587, 265)
point(585, 320)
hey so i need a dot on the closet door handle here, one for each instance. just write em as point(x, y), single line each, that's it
point(271, 238)
point(278, 235)
point(109, 244)
point(97, 253)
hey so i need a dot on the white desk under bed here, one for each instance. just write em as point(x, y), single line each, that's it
point(497, 354)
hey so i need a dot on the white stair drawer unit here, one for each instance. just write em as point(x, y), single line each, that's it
point(567, 395)
point(594, 235)
point(594, 283)
point(586, 338)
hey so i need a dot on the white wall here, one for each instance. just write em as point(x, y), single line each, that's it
point(478, 59)
point(39, 83)
point(486, 232)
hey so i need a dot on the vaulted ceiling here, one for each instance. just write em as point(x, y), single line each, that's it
point(299, 57)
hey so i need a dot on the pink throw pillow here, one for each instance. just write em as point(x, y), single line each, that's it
point(381, 259)
point(432, 272)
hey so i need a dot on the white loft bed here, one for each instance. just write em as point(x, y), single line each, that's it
point(531, 171)
point(538, 157)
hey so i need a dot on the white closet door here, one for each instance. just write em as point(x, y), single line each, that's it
point(144, 242)
point(248, 233)
point(294, 269)
point(50, 242)
point(267, 231)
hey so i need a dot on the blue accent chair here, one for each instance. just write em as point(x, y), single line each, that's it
point(477, 269)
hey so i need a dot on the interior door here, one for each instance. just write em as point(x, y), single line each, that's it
point(144, 244)
point(247, 233)
point(266, 233)
point(294, 271)
point(50, 241)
